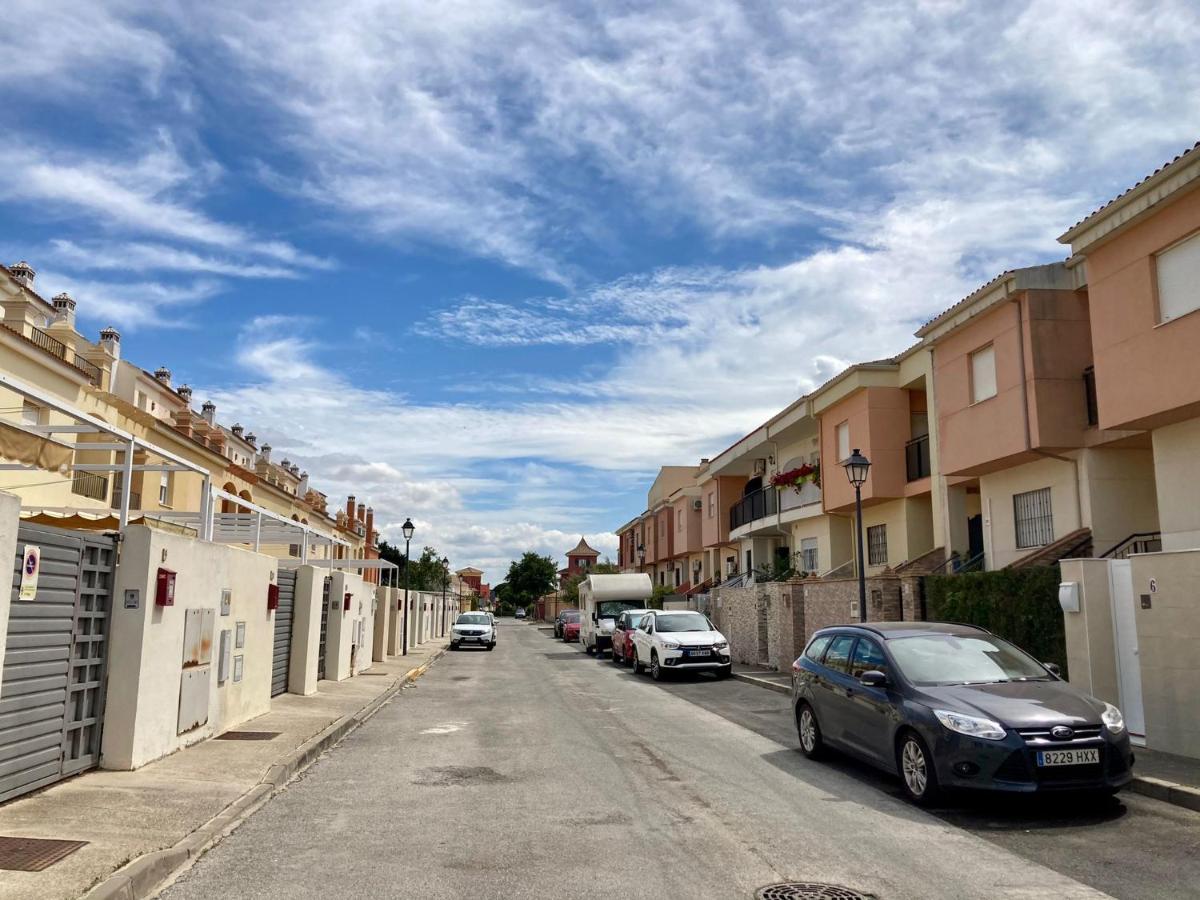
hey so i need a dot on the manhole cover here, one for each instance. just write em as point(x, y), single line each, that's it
point(34, 854)
point(247, 736)
point(808, 890)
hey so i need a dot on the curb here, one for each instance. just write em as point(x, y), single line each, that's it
point(144, 876)
point(762, 682)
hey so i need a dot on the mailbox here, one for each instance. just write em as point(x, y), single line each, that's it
point(164, 590)
point(272, 596)
point(346, 602)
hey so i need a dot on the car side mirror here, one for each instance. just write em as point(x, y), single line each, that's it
point(1053, 669)
point(873, 678)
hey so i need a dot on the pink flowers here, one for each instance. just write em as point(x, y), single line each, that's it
point(797, 477)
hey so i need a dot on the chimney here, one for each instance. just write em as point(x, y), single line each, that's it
point(64, 309)
point(110, 340)
point(23, 273)
point(370, 527)
point(302, 488)
point(265, 453)
point(286, 465)
point(209, 411)
point(163, 376)
point(237, 430)
point(252, 439)
point(350, 508)
point(186, 393)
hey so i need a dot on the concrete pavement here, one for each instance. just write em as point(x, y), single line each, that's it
point(191, 795)
point(538, 772)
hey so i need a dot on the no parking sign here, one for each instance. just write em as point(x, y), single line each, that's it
point(31, 565)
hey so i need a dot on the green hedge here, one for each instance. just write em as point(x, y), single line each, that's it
point(1020, 605)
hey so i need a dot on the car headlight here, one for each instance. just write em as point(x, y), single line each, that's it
point(971, 726)
point(720, 645)
point(670, 645)
point(1112, 719)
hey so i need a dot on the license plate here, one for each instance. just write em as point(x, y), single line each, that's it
point(1047, 758)
point(699, 653)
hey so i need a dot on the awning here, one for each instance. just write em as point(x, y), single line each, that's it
point(20, 446)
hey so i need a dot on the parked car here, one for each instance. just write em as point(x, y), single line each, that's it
point(559, 619)
point(520, 613)
point(679, 640)
point(473, 629)
point(570, 628)
point(954, 706)
point(622, 636)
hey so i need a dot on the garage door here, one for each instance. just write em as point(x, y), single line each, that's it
point(52, 693)
point(283, 632)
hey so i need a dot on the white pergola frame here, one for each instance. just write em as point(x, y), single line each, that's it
point(358, 564)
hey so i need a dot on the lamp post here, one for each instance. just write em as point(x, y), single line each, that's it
point(407, 529)
point(856, 468)
point(445, 584)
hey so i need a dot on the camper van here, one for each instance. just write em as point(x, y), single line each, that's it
point(602, 598)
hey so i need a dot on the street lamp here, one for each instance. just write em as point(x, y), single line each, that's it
point(407, 529)
point(856, 468)
point(445, 584)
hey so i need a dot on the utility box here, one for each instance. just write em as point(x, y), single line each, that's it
point(223, 658)
point(164, 588)
point(197, 668)
point(272, 597)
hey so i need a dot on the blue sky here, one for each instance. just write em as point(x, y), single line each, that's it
point(490, 264)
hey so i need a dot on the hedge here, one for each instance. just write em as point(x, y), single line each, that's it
point(1019, 605)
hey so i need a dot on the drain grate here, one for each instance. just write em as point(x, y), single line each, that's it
point(247, 736)
point(375, 673)
point(808, 890)
point(34, 854)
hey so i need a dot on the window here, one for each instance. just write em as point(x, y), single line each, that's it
point(662, 577)
point(877, 545)
point(1178, 270)
point(749, 561)
point(31, 413)
point(983, 374)
point(817, 647)
point(837, 657)
point(843, 441)
point(679, 523)
point(712, 504)
point(678, 577)
point(1034, 518)
point(868, 657)
point(164, 489)
point(808, 554)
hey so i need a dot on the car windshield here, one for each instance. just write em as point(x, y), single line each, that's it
point(958, 659)
point(571, 618)
point(677, 622)
point(473, 619)
point(636, 620)
point(610, 609)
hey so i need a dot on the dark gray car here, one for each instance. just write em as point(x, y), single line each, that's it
point(954, 706)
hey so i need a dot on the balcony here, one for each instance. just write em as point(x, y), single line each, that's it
point(809, 494)
point(762, 503)
point(89, 484)
point(58, 349)
point(916, 458)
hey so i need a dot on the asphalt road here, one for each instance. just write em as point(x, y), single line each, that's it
point(535, 771)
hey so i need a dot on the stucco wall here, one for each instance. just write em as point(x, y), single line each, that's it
point(381, 636)
point(10, 519)
point(306, 630)
point(1178, 491)
point(1091, 653)
point(1119, 497)
point(996, 494)
point(146, 643)
point(880, 426)
point(909, 530)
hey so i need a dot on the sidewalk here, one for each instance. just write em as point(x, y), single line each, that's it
point(173, 809)
point(1163, 776)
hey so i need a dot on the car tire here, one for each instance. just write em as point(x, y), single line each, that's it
point(638, 668)
point(656, 670)
point(725, 671)
point(492, 645)
point(453, 646)
point(617, 660)
point(588, 649)
point(918, 775)
point(808, 730)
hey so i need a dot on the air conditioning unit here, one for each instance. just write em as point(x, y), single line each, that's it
point(697, 504)
point(760, 467)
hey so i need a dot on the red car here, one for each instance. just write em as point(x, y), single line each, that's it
point(570, 628)
point(622, 636)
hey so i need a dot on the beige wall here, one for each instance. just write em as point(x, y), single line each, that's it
point(880, 425)
point(10, 520)
point(1091, 653)
point(834, 540)
point(1119, 497)
point(1178, 489)
point(306, 630)
point(909, 524)
point(381, 635)
point(996, 495)
point(146, 644)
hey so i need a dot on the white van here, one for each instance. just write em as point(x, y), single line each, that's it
point(602, 598)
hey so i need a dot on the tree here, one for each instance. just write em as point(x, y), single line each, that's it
point(426, 572)
point(570, 589)
point(529, 578)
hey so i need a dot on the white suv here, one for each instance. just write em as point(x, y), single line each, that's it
point(679, 640)
point(478, 628)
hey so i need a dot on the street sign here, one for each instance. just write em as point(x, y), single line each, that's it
point(31, 565)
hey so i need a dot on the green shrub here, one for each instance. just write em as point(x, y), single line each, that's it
point(1019, 605)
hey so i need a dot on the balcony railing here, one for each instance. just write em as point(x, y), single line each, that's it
point(58, 349)
point(759, 505)
point(91, 370)
point(89, 484)
point(809, 494)
point(916, 457)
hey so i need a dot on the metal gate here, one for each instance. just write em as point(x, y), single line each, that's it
point(324, 629)
point(282, 652)
point(52, 693)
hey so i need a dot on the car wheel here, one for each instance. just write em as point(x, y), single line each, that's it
point(492, 645)
point(656, 671)
point(638, 668)
point(808, 730)
point(453, 646)
point(588, 649)
point(917, 772)
point(617, 661)
point(725, 671)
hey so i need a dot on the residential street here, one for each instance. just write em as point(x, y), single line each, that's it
point(535, 771)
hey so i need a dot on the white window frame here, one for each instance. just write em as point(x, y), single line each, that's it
point(842, 437)
point(809, 554)
point(979, 392)
point(1177, 279)
point(712, 504)
point(31, 413)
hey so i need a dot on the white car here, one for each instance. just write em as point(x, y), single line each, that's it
point(476, 628)
point(677, 641)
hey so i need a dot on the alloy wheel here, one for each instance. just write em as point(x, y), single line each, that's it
point(808, 730)
point(915, 768)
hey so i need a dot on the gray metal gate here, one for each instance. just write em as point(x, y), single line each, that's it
point(324, 629)
point(52, 693)
point(282, 652)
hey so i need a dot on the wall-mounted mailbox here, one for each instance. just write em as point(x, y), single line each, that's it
point(223, 658)
point(346, 602)
point(272, 596)
point(164, 588)
point(1068, 596)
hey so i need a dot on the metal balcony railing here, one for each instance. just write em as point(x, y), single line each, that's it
point(58, 349)
point(916, 457)
point(1142, 542)
point(89, 484)
point(762, 503)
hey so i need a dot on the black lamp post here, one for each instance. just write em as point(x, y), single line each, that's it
point(445, 584)
point(407, 529)
point(856, 468)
